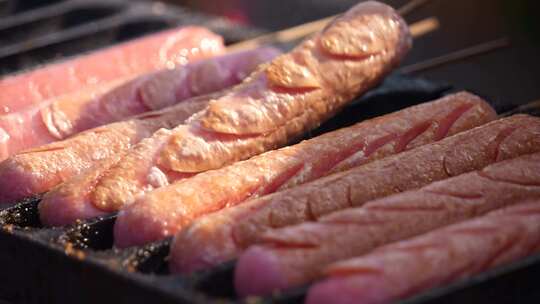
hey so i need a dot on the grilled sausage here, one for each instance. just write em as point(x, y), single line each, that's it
point(158, 51)
point(434, 259)
point(202, 245)
point(291, 95)
point(298, 254)
point(69, 114)
point(236, 228)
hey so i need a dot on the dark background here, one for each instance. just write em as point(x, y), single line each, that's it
point(508, 74)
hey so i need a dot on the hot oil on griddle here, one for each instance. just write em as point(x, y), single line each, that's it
point(78, 263)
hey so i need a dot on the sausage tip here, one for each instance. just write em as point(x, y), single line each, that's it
point(257, 273)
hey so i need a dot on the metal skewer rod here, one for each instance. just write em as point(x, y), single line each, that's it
point(532, 107)
point(410, 6)
point(472, 51)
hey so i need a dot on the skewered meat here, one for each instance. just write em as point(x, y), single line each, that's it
point(202, 245)
point(69, 114)
point(38, 170)
point(158, 51)
point(280, 102)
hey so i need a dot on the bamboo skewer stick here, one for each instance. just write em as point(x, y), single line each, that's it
point(283, 36)
point(424, 27)
point(417, 29)
point(303, 30)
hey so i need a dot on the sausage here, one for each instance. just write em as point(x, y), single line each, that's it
point(443, 256)
point(75, 112)
point(296, 255)
point(284, 99)
point(39, 169)
point(166, 49)
point(237, 228)
point(311, 159)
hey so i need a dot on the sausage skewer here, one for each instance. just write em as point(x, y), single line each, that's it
point(166, 49)
point(291, 95)
point(69, 114)
point(40, 169)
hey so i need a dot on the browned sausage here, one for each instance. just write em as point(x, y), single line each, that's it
point(440, 257)
point(236, 228)
point(298, 254)
point(284, 99)
point(311, 159)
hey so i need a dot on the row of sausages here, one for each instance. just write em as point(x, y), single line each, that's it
point(363, 207)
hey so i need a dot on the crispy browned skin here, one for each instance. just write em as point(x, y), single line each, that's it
point(301, 252)
point(434, 259)
point(288, 167)
point(464, 152)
